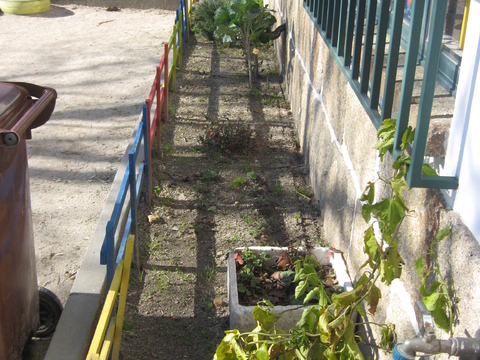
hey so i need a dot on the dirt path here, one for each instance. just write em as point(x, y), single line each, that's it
point(208, 203)
point(102, 65)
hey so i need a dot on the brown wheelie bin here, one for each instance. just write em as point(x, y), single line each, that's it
point(23, 107)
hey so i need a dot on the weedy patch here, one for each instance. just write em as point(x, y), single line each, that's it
point(227, 137)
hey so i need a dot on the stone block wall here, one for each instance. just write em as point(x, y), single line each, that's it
point(337, 141)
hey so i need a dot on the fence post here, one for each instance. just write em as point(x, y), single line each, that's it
point(158, 108)
point(180, 41)
point(185, 18)
point(110, 249)
point(146, 156)
point(165, 83)
point(148, 151)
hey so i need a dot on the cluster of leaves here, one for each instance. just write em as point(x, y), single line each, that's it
point(203, 17)
point(248, 263)
point(248, 23)
point(227, 137)
point(439, 297)
point(389, 212)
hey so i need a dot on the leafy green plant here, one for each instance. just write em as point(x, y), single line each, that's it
point(439, 297)
point(203, 17)
point(227, 137)
point(246, 22)
point(157, 189)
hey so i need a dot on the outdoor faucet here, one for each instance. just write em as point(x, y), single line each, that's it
point(428, 344)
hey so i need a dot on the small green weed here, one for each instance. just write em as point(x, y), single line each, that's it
point(303, 192)
point(128, 325)
point(140, 275)
point(298, 217)
point(157, 189)
point(239, 181)
point(277, 188)
point(251, 175)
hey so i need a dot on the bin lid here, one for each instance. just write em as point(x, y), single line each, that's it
point(14, 101)
point(24, 107)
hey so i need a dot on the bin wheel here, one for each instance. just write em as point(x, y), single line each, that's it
point(50, 310)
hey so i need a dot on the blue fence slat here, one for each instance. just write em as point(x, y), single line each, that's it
point(123, 243)
point(146, 158)
point(133, 192)
point(138, 137)
point(140, 177)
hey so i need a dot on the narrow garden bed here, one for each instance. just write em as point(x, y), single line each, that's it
point(209, 201)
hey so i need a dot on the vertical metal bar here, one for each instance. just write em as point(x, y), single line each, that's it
point(110, 240)
point(409, 73)
point(414, 173)
point(310, 7)
point(424, 32)
point(350, 29)
point(379, 54)
point(330, 22)
point(315, 8)
point(392, 62)
point(320, 13)
point(357, 47)
point(336, 20)
point(367, 46)
point(342, 28)
point(325, 14)
point(307, 3)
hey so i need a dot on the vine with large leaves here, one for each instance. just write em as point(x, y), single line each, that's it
point(327, 331)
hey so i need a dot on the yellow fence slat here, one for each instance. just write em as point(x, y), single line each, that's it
point(123, 298)
point(106, 312)
point(107, 343)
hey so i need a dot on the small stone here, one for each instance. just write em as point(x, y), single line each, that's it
point(154, 218)
point(175, 228)
point(219, 302)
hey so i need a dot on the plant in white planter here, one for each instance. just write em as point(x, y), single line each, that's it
point(257, 261)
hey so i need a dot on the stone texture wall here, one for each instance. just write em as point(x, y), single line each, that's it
point(337, 138)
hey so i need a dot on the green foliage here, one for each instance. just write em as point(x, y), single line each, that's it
point(227, 137)
point(389, 211)
point(439, 297)
point(239, 181)
point(203, 17)
point(327, 331)
point(246, 22)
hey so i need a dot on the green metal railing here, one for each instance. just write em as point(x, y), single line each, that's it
point(348, 27)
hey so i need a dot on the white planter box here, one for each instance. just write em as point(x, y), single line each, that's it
point(241, 317)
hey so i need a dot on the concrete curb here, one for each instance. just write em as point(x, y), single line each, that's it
point(75, 329)
point(123, 4)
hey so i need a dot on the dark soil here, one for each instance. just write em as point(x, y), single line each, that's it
point(177, 306)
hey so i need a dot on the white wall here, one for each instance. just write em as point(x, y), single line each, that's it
point(463, 152)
